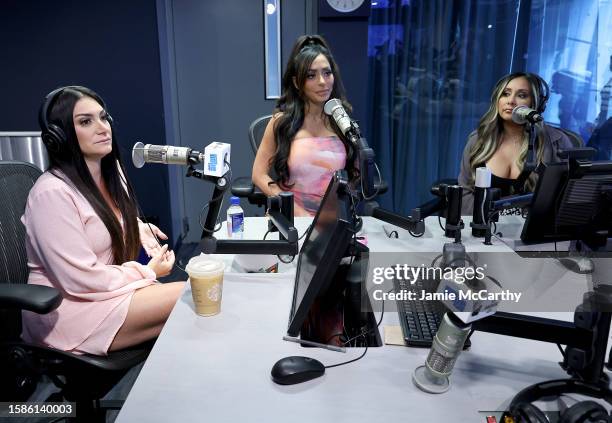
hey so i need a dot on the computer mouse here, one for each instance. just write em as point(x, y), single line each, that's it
point(296, 369)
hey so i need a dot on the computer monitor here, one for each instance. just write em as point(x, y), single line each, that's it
point(326, 244)
point(571, 201)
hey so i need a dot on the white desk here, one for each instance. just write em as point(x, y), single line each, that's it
point(217, 368)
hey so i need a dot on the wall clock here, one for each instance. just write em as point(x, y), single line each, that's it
point(344, 8)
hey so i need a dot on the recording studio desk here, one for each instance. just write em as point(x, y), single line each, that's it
point(217, 369)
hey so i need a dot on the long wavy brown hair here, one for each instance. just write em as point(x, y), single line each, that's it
point(490, 128)
point(291, 104)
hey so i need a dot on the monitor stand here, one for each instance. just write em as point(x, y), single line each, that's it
point(344, 311)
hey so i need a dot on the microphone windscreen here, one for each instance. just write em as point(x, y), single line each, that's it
point(138, 155)
point(517, 117)
point(330, 105)
point(523, 114)
point(483, 177)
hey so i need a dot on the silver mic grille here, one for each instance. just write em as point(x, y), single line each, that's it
point(440, 364)
point(156, 153)
point(334, 109)
point(445, 348)
point(330, 105)
point(523, 114)
point(166, 154)
point(138, 155)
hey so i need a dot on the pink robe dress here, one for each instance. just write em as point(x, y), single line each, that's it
point(69, 248)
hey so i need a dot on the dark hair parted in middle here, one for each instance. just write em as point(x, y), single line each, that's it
point(292, 103)
point(71, 163)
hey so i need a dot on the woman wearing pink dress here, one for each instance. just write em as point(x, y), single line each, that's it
point(301, 145)
point(83, 235)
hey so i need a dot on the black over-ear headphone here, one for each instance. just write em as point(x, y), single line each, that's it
point(523, 410)
point(52, 135)
point(543, 91)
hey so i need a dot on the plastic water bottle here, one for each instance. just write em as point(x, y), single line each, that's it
point(235, 219)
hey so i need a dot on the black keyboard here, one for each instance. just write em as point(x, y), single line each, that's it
point(419, 319)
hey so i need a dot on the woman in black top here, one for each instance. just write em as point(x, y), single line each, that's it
point(501, 145)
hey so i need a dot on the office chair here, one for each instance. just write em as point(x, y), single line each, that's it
point(575, 139)
point(83, 379)
point(256, 131)
point(243, 186)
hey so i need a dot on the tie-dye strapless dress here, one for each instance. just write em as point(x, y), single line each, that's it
point(312, 162)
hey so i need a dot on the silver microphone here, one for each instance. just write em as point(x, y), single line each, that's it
point(334, 108)
point(523, 114)
point(166, 154)
point(433, 377)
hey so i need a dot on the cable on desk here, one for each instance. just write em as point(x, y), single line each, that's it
point(499, 234)
point(299, 239)
point(278, 256)
point(305, 232)
point(440, 223)
point(433, 263)
point(362, 334)
point(495, 281)
point(350, 361)
point(469, 335)
point(393, 234)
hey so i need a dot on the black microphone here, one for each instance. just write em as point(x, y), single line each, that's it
point(523, 114)
point(166, 154)
point(451, 199)
point(454, 197)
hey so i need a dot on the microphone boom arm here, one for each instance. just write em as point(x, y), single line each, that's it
point(278, 210)
point(415, 222)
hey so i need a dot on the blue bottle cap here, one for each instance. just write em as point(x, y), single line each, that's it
point(234, 201)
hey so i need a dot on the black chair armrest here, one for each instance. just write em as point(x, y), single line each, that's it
point(243, 187)
point(37, 298)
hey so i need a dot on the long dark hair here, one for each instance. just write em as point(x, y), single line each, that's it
point(70, 162)
point(291, 104)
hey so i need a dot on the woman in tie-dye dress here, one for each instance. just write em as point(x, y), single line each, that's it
point(302, 147)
